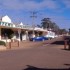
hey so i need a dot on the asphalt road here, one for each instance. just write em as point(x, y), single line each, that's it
point(36, 58)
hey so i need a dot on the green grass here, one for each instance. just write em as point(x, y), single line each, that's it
point(2, 43)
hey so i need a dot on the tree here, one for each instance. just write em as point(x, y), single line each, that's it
point(47, 23)
point(62, 31)
point(39, 26)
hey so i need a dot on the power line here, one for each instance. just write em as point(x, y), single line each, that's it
point(33, 16)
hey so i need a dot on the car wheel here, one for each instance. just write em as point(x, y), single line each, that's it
point(33, 40)
point(43, 40)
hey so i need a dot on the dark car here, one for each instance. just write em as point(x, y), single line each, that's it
point(40, 38)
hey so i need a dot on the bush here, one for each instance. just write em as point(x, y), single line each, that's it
point(11, 36)
point(2, 43)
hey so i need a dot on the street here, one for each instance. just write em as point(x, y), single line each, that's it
point(45, 57)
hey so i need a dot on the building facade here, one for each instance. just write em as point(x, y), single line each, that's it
point(20, 32)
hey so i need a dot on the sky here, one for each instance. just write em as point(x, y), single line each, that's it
point(21, 10)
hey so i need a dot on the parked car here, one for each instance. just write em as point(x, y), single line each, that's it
point(40, 38)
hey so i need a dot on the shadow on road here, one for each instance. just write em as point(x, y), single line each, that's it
point(66, 49)
point(58, 42)
point(61, 43)
point(67, 64)
point(35, 68)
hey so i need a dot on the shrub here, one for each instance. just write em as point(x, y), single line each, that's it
point(11, 36)
point(2, 43)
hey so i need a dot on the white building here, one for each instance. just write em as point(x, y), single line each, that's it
point(18, 31)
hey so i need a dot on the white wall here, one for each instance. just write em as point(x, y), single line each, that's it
point(6, 19)
point(24, 37)
point(50, 34)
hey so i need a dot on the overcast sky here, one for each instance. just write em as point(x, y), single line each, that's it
point(20, 11)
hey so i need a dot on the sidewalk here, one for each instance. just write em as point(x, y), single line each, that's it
point(28, 44)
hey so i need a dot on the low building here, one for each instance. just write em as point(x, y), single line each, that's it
point(20, 32)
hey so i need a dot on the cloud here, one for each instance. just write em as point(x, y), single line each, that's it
point(10, 4)
point(28, 4)
point(49, 4)
point(66, 3)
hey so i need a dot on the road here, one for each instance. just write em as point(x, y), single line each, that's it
point(44, 57)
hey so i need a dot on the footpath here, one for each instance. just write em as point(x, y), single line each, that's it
point(29, 44)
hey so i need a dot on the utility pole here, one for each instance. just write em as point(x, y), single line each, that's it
point(33, 17)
